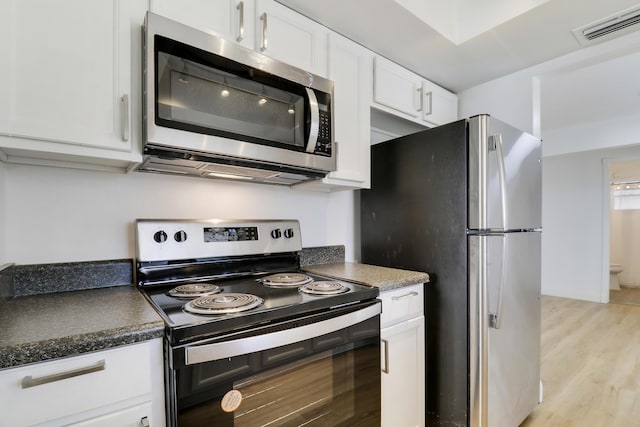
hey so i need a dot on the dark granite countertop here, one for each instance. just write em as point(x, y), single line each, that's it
point(384, 278)
point(37, 328)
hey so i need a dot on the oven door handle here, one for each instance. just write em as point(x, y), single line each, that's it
point(221, 350)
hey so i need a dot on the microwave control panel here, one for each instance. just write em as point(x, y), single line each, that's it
point(323, 144)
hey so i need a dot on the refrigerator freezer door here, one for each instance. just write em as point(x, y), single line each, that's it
point(505, 362)
point(505, 177)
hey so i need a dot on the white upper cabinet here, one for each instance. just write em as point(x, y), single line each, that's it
point(349, 70)
point(263, 25)
point(438, 106)
point(66, 77)
point(230, 19)
point(402, 93)
point(396, 88)
point(290, 37)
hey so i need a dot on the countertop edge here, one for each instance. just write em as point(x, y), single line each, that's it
point(57, 348)
point(384, 278)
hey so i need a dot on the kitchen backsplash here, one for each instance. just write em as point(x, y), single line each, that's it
point(47, 278)
point(6, 280)
point(22, 280)
point(322, 255)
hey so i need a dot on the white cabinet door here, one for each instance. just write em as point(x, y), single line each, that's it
point(230, 19)
point(66, 72)
point(346, 60)
point(404, 94)
point(347, 63)
point(403, 370)
point(85, 387)
point(290, 37)
point(396, 88)
point(403, 356)
point(439, 106)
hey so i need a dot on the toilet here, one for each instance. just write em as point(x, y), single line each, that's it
point(614, 270)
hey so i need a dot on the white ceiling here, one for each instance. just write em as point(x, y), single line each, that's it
point(520, 33)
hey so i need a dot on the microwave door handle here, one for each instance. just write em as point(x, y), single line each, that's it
point(315, 121)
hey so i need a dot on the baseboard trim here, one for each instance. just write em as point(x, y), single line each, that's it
point(573, 294)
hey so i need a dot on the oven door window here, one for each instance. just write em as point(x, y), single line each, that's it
point(232, 103)
point(293, 385)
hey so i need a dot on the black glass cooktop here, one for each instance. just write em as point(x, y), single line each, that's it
point(279, 304)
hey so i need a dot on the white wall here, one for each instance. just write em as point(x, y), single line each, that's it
point(575, 243)
point(64, 215)
point(510, 99)
point(592, 135)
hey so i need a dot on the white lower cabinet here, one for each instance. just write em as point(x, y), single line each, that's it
point(403, 357)
point(119, 387)
point(136, 416)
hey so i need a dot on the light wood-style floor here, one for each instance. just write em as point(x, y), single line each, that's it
point(590, 365)
point(626, 295)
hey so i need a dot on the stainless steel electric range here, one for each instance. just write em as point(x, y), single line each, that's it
point(250, 338)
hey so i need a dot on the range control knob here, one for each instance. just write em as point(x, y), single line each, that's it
point(180, 236)
point(288, 233)
point(160, 236)
point(276, 233)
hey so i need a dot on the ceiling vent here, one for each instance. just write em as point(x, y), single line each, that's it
point(612, 26)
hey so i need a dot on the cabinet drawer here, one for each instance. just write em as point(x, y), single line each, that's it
point(401, 304)
point(396, 87)
point(49, 390)
point(129, 417)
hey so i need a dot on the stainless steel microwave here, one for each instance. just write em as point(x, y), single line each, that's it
point(213, 108)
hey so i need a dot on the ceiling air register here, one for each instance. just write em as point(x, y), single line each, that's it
point(612, 26)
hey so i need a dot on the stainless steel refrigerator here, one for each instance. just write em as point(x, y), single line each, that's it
point(462, 202)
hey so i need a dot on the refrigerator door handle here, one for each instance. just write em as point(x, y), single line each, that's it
point(495, 319)
point(495, 143)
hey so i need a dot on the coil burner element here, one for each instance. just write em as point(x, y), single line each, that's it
point(325, 287)
point(223, 303)
point(194, 290)
point(285, 280)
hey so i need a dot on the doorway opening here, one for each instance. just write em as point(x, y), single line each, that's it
point(624, 232)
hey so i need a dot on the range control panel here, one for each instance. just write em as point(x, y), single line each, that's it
point(163, 240)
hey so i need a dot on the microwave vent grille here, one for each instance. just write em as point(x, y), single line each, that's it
point(177, 166)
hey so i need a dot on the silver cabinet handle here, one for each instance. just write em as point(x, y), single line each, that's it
point(263, 18)
point(124, 116)
point(401, 297)
point(144, 422)
point(429, 96)
point(420, 101)
point(240, 8)
point(29, 381)
point(385, 365)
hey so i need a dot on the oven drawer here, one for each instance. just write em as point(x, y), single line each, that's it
point(80, 387)
point(401, 304)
